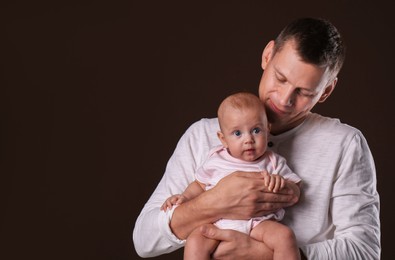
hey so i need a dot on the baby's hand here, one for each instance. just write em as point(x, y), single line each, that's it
point(173, 200)
point(274, 182)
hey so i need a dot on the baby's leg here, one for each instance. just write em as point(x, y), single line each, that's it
point(277, 237)
point(199, 247)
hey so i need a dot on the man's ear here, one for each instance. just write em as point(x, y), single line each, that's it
point(222, 139)
point(328, 91)
point(267, 54)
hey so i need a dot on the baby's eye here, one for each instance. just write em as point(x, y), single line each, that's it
point(237, 133)
point(256, 130)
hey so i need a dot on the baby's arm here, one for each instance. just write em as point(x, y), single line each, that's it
point(193, 190)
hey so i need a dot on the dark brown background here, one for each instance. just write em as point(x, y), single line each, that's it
point(94, 97)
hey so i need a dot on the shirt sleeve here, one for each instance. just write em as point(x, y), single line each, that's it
point(354, 208)
point(152, 235)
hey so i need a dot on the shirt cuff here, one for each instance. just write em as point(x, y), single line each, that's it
point(164, 224)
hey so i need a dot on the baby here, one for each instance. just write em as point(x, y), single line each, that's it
point(243, 133)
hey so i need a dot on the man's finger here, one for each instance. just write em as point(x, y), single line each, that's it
point(210, 231)
point(257, 175)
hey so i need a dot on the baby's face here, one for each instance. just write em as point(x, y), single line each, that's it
point(245, 133)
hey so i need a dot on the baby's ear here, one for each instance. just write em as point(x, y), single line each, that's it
point(221, 137)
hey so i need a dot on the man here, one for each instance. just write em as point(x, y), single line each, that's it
point(337, 216)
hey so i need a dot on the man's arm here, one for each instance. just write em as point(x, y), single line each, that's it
point(152, 235)
point(240, 195)
point(354, 209)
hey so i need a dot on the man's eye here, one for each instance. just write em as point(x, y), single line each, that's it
point(305, 93)
point(237, 133)
point(256, 130)
point(280, 79)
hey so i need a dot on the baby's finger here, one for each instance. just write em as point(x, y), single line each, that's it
point(282, 183)
point(266, 177)
point(169, 204)
point(272, 183)
point(277, 183)
point(164, 206)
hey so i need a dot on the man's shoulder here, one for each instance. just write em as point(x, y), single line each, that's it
point(208, 121)
point(330, 125)
point(205, 125)
point(203, 132)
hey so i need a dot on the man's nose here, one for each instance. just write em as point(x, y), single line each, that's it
point(287, 95)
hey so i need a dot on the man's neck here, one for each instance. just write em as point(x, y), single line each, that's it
point(277, 128)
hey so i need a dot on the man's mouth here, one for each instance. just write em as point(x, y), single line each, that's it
point(276, 110)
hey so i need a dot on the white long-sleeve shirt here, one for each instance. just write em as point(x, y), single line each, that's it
point(337, 216)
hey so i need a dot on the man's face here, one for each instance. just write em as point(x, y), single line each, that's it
point(290, 87)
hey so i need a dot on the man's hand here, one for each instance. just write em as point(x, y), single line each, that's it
point(236, 245)
point(242, 195)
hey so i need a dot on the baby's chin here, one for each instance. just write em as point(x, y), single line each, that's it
point(251, 156)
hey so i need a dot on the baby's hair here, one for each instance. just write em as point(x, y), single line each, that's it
point(240, 101)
